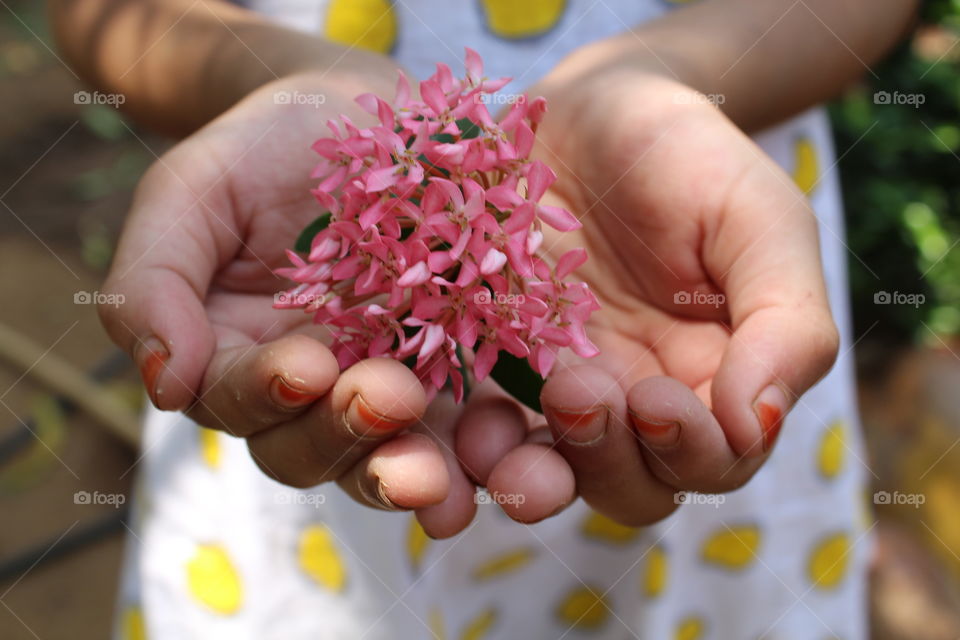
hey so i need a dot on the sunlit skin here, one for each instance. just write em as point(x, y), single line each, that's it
point(672, 196)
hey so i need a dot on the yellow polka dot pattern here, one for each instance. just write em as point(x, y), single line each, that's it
point(504, 563)
point(319, 558)
point(583, 608)
point(601, 528)
point(806, 165)
point(367, 24)
point(132, 625)
point(213, 580)
point(829, 561)
point(511, 19)
point(480, 627)
point(733, 548)
point(655, 572)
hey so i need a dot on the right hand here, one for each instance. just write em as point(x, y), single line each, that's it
point(195, 265)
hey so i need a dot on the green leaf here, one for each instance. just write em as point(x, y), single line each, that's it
point(445, 138)
point(305, 239)
point(468, 128)
point(518, 379)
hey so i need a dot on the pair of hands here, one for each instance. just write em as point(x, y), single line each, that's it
point(703, 255)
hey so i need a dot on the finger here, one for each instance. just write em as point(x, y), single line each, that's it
point(370, 402)
point(784, 336)
point(249, 388)
point(407, 472)
point(532, 482)
point(165, 260)
point(492, 425)
point(457, 510)
point(683, 443)
point(586, 409)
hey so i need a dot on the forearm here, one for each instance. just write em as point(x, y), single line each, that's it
point(180, 63)
point(768, 59)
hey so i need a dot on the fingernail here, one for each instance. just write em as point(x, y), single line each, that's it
point(771, 406)
point(581, 427)
point(656, 434)
point(360, 413)
point(289, 396)
point(151, 357)
point(384, 500)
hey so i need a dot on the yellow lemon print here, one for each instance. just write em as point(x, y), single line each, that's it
point(503, 563)
point(133, 625)
point(479, 627)
point(833, 444)
point(656, 572)
point(691, 628)
point(599, 527)
point(583, 608)
point(829, 560)
point(512, 19)
point(213, 580)
point(436, 626)
point(210, 447)
point(732, 547)
point(320, 559)
point(368, 24)
point(806, 166)
point(417, 543)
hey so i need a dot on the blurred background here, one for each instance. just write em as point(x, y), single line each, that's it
point(69, 402)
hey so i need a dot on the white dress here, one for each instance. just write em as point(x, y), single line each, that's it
point(218, 550)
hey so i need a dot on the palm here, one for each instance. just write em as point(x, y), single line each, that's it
point(652, 205)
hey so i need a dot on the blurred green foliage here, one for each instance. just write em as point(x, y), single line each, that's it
point(899, 165)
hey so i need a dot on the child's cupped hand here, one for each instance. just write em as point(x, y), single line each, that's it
point(208, 225)
point(705, 259)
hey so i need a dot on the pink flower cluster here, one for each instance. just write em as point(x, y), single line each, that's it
point(433, 237)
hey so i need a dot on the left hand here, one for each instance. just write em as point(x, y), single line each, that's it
point(705, 259)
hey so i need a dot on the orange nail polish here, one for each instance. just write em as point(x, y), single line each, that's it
point(657, 434)
point(581, 428)
point(574, 420)
point(153, 357)
point(771, 406)
point(771, 419)
point(374, 421)
point(287, 395)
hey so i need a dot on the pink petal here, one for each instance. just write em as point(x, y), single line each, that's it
point(570, 261)
point(539, 179)
point(492, 262)
point(558, 218)
point(415, 275)
point(485, 360)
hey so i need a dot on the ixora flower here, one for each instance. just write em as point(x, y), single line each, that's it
point(429, 250)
